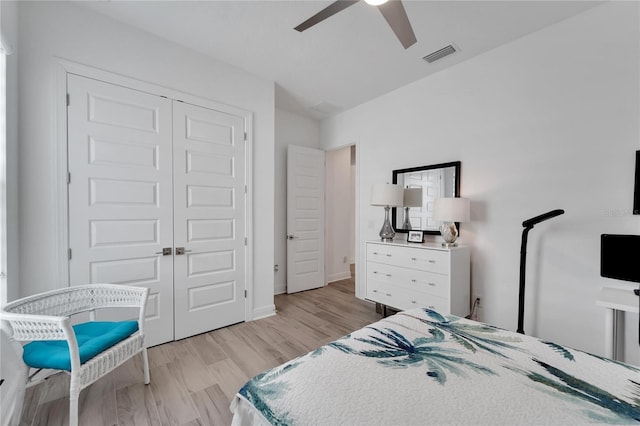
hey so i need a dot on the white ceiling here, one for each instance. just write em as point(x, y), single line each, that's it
point(346, 60)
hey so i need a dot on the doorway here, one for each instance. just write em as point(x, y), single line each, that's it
point(340, 213)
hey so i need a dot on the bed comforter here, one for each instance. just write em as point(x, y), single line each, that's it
point(421, 367)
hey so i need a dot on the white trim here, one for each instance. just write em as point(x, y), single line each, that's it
point(248, 159)
point(143, 86)
point(3, 175)
point(65, 67)
point(360, 287)
point(267, 311)
point(338, 277)
point(61, 166)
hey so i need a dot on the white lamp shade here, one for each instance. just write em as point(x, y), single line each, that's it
point(412, 197)
point(386, 194)
point(451, 209)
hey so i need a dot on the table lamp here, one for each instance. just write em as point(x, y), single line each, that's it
point(412, 198)
point(387, 196)
point(449, 211)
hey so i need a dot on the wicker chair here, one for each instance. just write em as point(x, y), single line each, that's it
point(45, 320)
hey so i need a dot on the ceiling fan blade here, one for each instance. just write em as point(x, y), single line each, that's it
point(325, 13)
point(393, 11)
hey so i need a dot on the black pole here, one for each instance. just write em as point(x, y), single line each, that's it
point(528, 225)
point(523, 269)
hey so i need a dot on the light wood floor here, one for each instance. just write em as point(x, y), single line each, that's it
point(193, 380)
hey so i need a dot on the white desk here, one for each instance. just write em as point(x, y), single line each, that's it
point(616, 300)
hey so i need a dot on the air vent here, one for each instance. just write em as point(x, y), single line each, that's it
point(439, 54)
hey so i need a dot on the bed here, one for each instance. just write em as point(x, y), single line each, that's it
point(421, 367)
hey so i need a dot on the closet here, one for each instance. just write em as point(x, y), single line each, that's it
point(157, 198)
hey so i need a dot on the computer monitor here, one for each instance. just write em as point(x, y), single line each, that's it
point(636, 191)
point(615, 254)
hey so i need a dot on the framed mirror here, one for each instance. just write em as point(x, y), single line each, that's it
point(434, 181)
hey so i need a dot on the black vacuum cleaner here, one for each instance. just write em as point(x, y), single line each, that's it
point(528, 225)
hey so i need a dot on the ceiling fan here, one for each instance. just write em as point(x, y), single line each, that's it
point(392, 10)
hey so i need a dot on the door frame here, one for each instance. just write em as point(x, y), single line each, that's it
point(63, 67)
point(360, 288)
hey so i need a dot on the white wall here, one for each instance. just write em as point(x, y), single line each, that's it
point(59, 29)
point(290, 129)
point(9, 25)
point(338, 214)
point(550, 120)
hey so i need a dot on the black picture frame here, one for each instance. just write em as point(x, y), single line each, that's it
point(414, 236)
point(636, 191)
point(455, 164)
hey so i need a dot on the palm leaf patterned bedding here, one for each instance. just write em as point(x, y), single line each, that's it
point(420, 367)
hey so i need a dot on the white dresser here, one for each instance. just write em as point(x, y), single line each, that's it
point(407, 275)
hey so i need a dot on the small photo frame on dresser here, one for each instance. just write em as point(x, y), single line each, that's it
point(415, 237)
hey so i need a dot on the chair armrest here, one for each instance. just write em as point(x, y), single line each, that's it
point(26, 327)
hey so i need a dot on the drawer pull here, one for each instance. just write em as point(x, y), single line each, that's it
point(379, 254)
point(414, 302)
point(429, 284)
point(375, 272)
point(375, 291)
point(432, 261)
point(388, 275)
point(389, 294)
point(431, 307)
point(413, 258)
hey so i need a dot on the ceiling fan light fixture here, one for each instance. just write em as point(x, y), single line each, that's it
point(375, 2)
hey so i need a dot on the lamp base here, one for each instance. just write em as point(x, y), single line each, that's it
point(407, 223)
point(386, 232)
point(449, 233)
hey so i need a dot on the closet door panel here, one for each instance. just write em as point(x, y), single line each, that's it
point(209, 215)
point(120, 194)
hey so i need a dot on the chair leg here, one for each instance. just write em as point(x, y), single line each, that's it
point(74, 394)
point(145, 366)
point(19, 401)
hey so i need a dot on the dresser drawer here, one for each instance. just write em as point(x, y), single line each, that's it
point(402, 298)
point(411, 279)
point(386, 294)
point(410, 257)
point(440, 304)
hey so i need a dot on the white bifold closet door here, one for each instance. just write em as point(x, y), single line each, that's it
point(209, 222)
point(147, 175)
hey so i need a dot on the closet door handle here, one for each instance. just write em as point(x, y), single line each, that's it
point(166, 251)
point(181, 250)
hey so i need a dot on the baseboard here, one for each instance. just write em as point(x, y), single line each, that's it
point(339, 277)
point(280, 289)
point(264, 312)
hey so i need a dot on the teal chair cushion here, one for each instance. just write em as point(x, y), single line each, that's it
point(93, 338)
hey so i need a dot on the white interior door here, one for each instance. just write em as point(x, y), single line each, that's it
point(120, 193)
point(305, 218)
point(209, 215)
